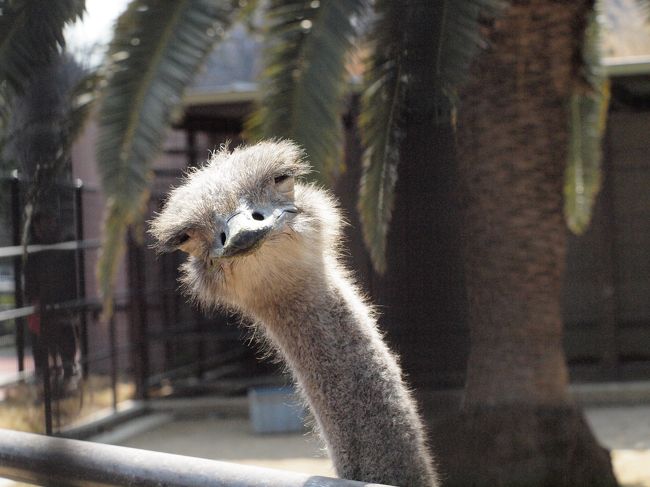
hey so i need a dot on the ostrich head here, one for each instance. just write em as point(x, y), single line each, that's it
point(253, 232)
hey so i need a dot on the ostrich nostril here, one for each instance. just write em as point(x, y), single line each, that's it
point(223, 238)
point(257, 216)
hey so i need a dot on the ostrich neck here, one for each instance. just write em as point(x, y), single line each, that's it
point(351, 381)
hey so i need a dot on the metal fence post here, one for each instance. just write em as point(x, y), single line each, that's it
point(44, 351)
point(81, 275)
point(138, 308)
point(16, 220)
point(113, 347)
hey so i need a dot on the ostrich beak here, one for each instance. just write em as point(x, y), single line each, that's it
point(244, 234)
point(246, 230)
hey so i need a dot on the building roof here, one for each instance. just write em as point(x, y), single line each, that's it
point(231, 72)
point(627, 65)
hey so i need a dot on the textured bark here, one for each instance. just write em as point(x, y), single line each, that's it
point(519, 446)
point(513, 140)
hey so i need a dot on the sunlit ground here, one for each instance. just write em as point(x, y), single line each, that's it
point(232, 440)
point(23, 409)
point(625, 430)
point(632, 467)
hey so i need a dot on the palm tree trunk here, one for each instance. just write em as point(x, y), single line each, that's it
point(518, 424)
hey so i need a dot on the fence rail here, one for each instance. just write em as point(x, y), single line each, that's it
point(17, 250)
point(43, 460)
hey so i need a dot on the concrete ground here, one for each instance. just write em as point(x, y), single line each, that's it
point(623, 429)
point(231, 439)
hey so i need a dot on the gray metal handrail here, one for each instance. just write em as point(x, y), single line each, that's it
point(43, 460)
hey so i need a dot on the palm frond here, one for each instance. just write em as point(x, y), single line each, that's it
point(247, 14)
point(588, 118)
point(5, 111)
point(304, 76)
point(382, 126)
point(420, 53)
point(39, 132)
point(460, 40)
point(157, 48)
point(31, 34)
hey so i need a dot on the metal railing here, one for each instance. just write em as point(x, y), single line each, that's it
point(44, 460)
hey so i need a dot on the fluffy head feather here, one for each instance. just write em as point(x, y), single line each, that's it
point(257, 180)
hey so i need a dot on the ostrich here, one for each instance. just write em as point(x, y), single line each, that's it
point(268, 247)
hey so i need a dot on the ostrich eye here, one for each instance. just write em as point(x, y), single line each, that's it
point(280, 179)
point(186, 241)
point(284, 184)
point(182, 238)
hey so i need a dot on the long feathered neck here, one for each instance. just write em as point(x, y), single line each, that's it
point(352, 382)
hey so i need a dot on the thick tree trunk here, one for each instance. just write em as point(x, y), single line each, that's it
point(518, 425)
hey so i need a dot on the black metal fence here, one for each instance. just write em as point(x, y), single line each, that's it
point(155, 344)
point(48, 319)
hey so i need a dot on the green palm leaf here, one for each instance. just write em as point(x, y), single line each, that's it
point(588, 117)
point(460, 39)
point(31, 34)
point(157, 48)
point(45, 119)
point(421, 51)
point(381, 120)
point(304, 77)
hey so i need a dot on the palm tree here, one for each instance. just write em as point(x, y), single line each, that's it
point(42, 125)
point(31, 34)
point(514, 142)
point(31, 38)
point(43, 94)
